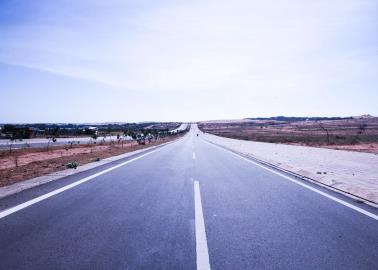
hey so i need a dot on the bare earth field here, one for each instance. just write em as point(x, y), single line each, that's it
point(357, 134)
point(24, 164)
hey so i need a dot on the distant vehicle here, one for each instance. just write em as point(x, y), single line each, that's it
point(197, 134)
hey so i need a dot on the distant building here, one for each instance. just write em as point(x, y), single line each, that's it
point(91, 130)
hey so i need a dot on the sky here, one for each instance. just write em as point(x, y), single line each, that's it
point(131, 61)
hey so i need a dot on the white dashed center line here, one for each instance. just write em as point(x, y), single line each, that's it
point(201, 241)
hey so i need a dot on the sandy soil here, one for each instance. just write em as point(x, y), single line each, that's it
point(362, 147)
point(28, 163)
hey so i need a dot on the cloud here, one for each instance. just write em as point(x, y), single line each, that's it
point(250, 48)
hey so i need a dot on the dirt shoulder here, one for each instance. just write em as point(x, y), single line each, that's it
point(361, 147)
point(24, 164)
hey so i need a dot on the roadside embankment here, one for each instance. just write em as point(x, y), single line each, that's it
point(351, 172)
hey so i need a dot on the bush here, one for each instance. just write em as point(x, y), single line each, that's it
point(72, 165)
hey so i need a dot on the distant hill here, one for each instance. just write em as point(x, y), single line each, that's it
point(297, 119)
point(364, 116)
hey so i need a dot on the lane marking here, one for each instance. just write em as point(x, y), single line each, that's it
point(201, 241)
point(194, 155)
point(60, 190)
point(349, 205)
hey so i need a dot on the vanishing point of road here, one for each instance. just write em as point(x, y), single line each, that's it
point(185, 205)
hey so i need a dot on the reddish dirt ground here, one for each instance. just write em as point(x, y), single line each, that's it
point(29, 163)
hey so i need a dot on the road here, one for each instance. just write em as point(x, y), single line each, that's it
point(186, 205)
point(181, 128)
point(42, 142)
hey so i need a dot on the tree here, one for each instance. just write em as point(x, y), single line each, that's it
point(11, 141)
point(93, 138)
point(70, 143)
point(8, 129)
point(50, 140)
point(325, 130)
point(360, 130)
point(55, 131)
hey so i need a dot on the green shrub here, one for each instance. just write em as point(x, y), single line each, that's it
point(72, 165)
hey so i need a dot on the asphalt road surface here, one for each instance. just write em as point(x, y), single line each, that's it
point(186, 205)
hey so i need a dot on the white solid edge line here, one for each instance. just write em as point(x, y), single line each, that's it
point(60, 190)
point(201, 241)
point(349, 205)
